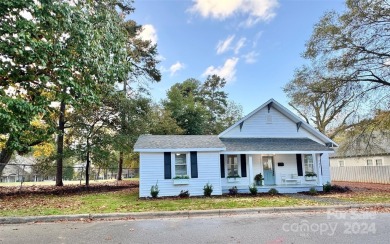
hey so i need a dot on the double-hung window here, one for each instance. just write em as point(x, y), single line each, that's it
point(369, 162)
point(232, 165)
point(341, 163)
point(180, 164)
point(378, 162)
point(308, 161)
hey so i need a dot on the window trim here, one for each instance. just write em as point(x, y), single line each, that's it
point(188, 163)
point(305, 162)
point(372, 162)
point(376, 163)
point(227, 164)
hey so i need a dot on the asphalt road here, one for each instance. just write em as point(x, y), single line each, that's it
point(327, 227)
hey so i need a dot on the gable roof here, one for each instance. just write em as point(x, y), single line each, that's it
point(273, 145)
point(175, 143)
point(286, 112)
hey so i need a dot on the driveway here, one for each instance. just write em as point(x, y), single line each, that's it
point(327, 227)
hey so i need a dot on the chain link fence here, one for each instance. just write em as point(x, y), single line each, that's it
point(38, 173)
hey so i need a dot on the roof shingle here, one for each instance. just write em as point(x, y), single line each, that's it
point(273, 144)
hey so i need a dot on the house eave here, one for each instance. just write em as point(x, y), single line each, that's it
point(159, 150)
point(275, 152)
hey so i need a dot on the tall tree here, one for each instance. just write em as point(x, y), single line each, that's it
point(142, 55)
point(185, 104)
point(215, 100)
point(349, 69)
point(330, 110)
point(93, 128)
point(201, 108)
point(57, 51)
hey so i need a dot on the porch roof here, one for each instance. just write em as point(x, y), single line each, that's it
point(273, 145)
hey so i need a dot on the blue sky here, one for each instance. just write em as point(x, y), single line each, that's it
point(254, 44)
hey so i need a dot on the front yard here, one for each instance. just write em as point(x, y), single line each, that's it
point(123, 197)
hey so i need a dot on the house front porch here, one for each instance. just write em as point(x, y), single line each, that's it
point(283, 170)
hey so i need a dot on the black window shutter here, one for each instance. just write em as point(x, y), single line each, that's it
point(167, 165)
point(243, 165)
point(194, 165)
point(299, 164)
point(222, 163)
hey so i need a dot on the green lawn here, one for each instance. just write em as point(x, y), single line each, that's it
point(127, 201)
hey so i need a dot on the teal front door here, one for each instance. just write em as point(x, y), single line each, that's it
point(268, 170)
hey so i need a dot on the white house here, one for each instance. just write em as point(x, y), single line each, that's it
point(270, 140)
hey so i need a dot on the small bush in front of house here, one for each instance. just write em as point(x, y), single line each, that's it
point(253, 189)
point(273, 191)
point(233, 190)
point(184, 194)
point(207, 190)
point(313, 191)
point(327, 187)
point(154, 190)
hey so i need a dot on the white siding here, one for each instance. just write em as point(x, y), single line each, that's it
point(281, 126)
point(290, 167)
point(152, 171)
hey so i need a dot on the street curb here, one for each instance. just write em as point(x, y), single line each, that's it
point(183, 214)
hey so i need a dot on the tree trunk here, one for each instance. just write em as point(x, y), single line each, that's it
point(87, 168)
point(120, 165)
point(5, 157)
point(60, 144)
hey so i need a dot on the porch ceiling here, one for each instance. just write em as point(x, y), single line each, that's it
point(273, 144)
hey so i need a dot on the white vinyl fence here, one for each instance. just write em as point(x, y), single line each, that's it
point(367, 174)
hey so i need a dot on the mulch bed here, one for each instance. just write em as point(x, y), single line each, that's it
point(67, 189)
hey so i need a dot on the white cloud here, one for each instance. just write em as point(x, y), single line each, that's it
point(251, 57)
point(258, 10)
point(227, 71)
point(223, 46)
point(148, 32)
point(216, 8)
point(176, 67)
point(239, 45)
point(227, 44)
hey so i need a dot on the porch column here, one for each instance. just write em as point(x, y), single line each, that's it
point(319, 176)
point(250, 161)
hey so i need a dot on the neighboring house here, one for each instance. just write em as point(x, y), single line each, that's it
point(13, 173)
point(360, 160)
point(270, 140)
point(373, 151)
point(365, 158)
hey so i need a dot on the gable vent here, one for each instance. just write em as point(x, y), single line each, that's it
point(269, 119)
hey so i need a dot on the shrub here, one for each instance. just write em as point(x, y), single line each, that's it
point(313, 191)
point(184, 194)
point(337, 188)
point(327, 187)
point(154, 191)
point(258, 177)
point(273, 191)
point(233, 190)
point(253, 189)
point(207, 190)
